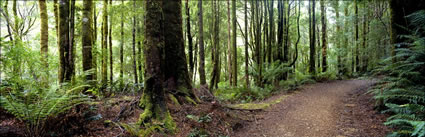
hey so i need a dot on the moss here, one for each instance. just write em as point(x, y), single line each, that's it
point(188, 99)
point(257, 106)
point(174, 100)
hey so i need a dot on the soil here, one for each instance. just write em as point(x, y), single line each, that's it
point(336, 108)
point(331, 109)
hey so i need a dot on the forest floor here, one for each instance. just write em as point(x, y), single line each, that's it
point(331, 109)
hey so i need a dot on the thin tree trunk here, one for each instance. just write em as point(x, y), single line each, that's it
point(324, 37)
point(134, 46)
point(190, 40)
point(201, 46)
point(63, 39)
point(229, 49)
point(235, 55)
point(356, 22)
point(111, 62)
point(215, 76)
point(44, 39)
point(122, 49)
point(105, 43)
point(312, 16)
point(338, 41)
point(246, 46)
point(70, 50)
point(94, 49)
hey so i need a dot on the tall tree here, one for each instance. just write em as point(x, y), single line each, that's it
point(340, 64)
point(111, 62)
point(70, 50)
point(66, 71)
point(134, 44)
point(356, 66)
point(105, 43)
point(312, 17)
point(122, 49)
point(153, 98)
point(229, 47)
point(201, 45)
point(345, 43)
point(215, 76)
point(44, 39)
point(272, 38)
point(87, 38)
point(235, 54)
point(246, 46)
point(94, 50)
point(189, 38)
point(175, 68)
point(324, 36)
point(280, 32)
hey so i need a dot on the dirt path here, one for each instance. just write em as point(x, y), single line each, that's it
point(333, 109)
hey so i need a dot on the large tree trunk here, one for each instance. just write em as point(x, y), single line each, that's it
point(94, 49)
point(44, 39)
point(87, 40)
point(175, 69)
point(105, 43)
point(201, 46)
point(153, 98)
point(324, 36)
point(280, 32)
point(338, 41)
point(70, 50)
point(134, 46)
point(345, 68)
point(272, 38)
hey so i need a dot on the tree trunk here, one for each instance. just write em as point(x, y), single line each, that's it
point(345, 43)
point(105, 43)
point(338, 41)
point(44, 39)
point(235, 55)
point(246, 46)
point(324, 36)
point(280, 31)
point(94, 49)
point(215, 76)
point(356, 23)
point(122, 49)
point(177, 79)
point(190, 40)
point(134, 46)
point(63, 41)
point(87, 40)
point(201, 46)
point(229, 47)
point(70, 50)
point(312, 16)
point(111, 62)
point(153, 98)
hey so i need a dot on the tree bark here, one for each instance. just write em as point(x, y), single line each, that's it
point(44, 39)
point(215, 76)
point(246, 46)
point(87, 40)
point(312, 17)
point(105, 44)
point(134, 45)
point(111, 62)
point(201, 46)
point(122, 49)
point(64, 72)
point(324, 36)
point(153, 98)
point(229, 47)
point(189, 38)
point(235, 55)
point(177, 79)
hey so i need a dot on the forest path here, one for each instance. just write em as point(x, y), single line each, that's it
point(332, 109)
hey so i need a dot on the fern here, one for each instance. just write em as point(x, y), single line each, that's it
point(402, 90)
point(35, 107)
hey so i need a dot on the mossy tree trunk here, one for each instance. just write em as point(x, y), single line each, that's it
point(356, 49)
point(215, 75)
point(235, 54)
point(229, 47)
point(201, 46)
point(134, 45)
point(111, 61)
point(246, 44)
point(153, 98)
point(189, 38)
point(312, 16)
point(104, 69)
point(122, 50)
point(44, 39)
point(87, 38)
point(66, 71)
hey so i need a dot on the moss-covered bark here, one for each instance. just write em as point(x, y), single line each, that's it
point(153, 98)
point(201, 46)
point(87, 40)
point(63, 32)
point(324, 36)
point(105, 43)
point(44, 39)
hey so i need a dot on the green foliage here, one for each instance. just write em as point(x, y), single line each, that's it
point(198, 133)
point(242, 94)
point(35, 106)
point(402, 91)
